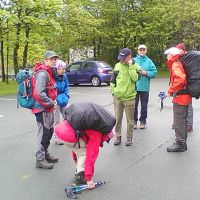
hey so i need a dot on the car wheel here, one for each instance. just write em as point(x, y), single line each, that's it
point(108, 82)
point(96, 81)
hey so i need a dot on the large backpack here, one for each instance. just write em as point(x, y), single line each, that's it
point(24, 96)
point(82, 116)
point(191, 64)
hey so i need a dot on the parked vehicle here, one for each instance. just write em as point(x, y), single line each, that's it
point(94, 72)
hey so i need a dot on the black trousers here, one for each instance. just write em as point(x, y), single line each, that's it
point(143, 97)
point(180, 122)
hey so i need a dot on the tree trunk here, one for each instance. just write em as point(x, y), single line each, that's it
point(94, 47)
point(2, 62)
point(7, 53)
point(16, 47)
point(25, 53)
point(99, 47)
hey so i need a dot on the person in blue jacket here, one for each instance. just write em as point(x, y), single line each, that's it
point(62, 85)
point(148, 71)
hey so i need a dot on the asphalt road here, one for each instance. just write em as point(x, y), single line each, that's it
point(144, 171)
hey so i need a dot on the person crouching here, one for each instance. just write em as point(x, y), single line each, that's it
point(86, 127)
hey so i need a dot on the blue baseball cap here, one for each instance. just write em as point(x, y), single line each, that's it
point(124, 53)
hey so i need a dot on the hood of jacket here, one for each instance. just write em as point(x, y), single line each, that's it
point(142, 57)
point(41, 66)
point(172, 60)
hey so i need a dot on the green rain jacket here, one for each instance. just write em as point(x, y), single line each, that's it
point(124, 89)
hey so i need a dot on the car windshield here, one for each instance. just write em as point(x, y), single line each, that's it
point(103, 65)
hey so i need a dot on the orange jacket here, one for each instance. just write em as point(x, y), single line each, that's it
point(177, 81)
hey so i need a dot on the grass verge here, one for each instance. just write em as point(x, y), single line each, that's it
point(163, 73)
point(11, 87)
point(8, 89)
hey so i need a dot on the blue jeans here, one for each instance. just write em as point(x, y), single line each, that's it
point(143, 97)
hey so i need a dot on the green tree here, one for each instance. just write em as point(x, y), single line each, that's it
point(4, 15)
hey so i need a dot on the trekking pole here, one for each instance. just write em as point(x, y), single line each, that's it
point(162, 96)
point(72, 191)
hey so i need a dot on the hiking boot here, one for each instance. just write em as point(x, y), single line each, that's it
point(129, 141)
point(142, 125)
point(50, 158)
point(177, 147)
point(173, 126)
point(135, 125)
point(118, 141)
point(79, 178)
point(44, 164)
point(190, 128)
point(59, 142)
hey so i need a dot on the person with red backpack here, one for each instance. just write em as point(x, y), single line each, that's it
point(44, 94)
point(86, 127)
point(180, 102)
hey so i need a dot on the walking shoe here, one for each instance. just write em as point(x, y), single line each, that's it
point(142, 125)
point(118, 141)
point(44, 164)
point(190, 128)
point(135, 125)
point(129, 141)
point(79, 178)
point(176, 147)
point(59, 142)
point(50, 158)
point(173, 126)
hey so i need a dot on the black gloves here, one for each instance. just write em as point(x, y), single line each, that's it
point(114, 76)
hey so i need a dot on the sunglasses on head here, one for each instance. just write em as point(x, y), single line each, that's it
point(142, 49)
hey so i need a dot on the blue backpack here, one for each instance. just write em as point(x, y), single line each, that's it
point(25, 92)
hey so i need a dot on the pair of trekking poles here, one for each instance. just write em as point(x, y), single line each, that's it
point(72, 191)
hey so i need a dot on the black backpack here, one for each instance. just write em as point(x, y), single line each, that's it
point(82, 116)
point(191, 64)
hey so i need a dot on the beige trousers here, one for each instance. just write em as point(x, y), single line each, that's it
point(80, 153)
point(119, 107)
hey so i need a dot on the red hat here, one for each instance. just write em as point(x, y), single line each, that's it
point(181, 46)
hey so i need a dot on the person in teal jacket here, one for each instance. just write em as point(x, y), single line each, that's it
point(123, 90)
point(148, 70)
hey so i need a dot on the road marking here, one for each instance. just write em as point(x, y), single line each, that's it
point(1, 115)
point(5, 99)
point(90, 94)
point(25, 177)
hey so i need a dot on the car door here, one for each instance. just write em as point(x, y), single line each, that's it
point(72, 72)
point(86, 72)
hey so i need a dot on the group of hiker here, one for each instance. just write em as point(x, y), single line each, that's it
point(131, 83)
point(87, 126)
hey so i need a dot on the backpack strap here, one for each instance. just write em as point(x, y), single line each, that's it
point(48, 85)
point(78, 143)
point(181, 92)
point(79, 134)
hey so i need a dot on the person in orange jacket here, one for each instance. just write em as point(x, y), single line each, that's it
point(182, 48)
point(180, 102)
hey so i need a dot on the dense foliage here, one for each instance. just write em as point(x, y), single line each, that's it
point(29, 27)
